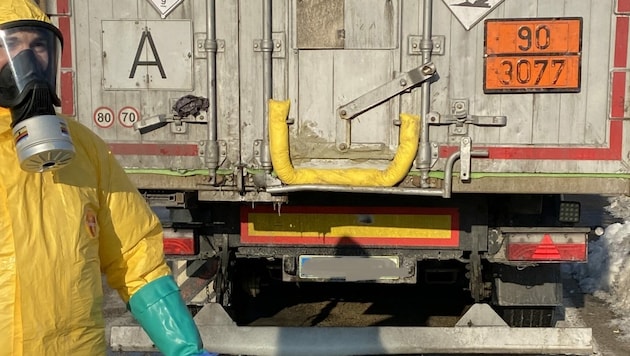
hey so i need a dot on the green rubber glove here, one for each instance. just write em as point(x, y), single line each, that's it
point(162, 313)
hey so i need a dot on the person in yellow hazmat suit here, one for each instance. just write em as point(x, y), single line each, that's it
point(68, 213)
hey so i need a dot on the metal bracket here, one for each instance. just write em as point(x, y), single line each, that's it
point(207, 149)
point(222, 152)
point(202, 47)
point(177, 199)
point(401, 83)
point(258, 144)
point(459, 119)
point(435, 153)
point(179, 125)
point(277, 47)
point(415, 48)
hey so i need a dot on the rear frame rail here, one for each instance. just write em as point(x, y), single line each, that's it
point(478, 332)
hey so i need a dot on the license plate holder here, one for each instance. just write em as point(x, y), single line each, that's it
point(350, 268)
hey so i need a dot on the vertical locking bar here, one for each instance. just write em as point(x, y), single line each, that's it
point(423, 159)
point(465, 159)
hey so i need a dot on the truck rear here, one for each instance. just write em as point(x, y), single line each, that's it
point(362, 141)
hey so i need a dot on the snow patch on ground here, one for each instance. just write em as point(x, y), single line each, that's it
point(607, 273)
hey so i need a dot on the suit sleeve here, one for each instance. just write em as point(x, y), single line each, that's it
point(131, 247)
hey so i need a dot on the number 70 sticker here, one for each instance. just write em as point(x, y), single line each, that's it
point(128, 115)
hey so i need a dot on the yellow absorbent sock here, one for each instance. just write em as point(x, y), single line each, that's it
point(358, 177)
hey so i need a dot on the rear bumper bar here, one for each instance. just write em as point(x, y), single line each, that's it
point(220, 334)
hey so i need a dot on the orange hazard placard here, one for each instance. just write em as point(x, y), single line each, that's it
point(532, 55)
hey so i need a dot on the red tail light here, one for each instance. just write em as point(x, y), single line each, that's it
point(547, 247)
point(179, 242)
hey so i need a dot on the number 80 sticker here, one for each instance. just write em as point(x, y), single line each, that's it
point(104, 117)
point(128, 115)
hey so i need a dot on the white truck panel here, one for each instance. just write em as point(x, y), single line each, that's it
point(320, 67)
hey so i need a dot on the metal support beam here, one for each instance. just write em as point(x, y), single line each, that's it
point(221, 334)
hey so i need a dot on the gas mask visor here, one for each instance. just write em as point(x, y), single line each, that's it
point(29, 57)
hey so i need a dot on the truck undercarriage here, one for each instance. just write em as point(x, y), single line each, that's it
point(505, 262)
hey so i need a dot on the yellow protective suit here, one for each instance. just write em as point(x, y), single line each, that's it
point(58, 231)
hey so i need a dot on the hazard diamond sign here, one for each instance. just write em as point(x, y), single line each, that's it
point(164, 7)
point(470, 12)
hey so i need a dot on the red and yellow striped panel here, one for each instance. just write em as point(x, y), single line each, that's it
point(361, 226)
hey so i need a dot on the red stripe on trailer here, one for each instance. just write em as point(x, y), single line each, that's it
point(618, 96)
point(621, 42)
point(623, 6)
point(620, 60)
point(154, 149)
point(617, 110)
point(67, 66)
point(63, 7)
point(67, 92)
point(555, 153)
point(66, 54)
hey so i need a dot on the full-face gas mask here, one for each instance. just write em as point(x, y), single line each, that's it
point(29, 54)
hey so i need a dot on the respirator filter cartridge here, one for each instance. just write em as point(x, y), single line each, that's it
point(43, 143)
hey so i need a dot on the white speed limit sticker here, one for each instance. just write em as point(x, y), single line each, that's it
point(128, 115)
point(104, 117)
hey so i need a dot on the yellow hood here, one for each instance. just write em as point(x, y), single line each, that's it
point(12, 10)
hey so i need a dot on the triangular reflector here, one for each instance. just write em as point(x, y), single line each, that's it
point(546, 250)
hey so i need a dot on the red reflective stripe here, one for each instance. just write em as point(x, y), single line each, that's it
point(179, 246)
point(354, 241)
